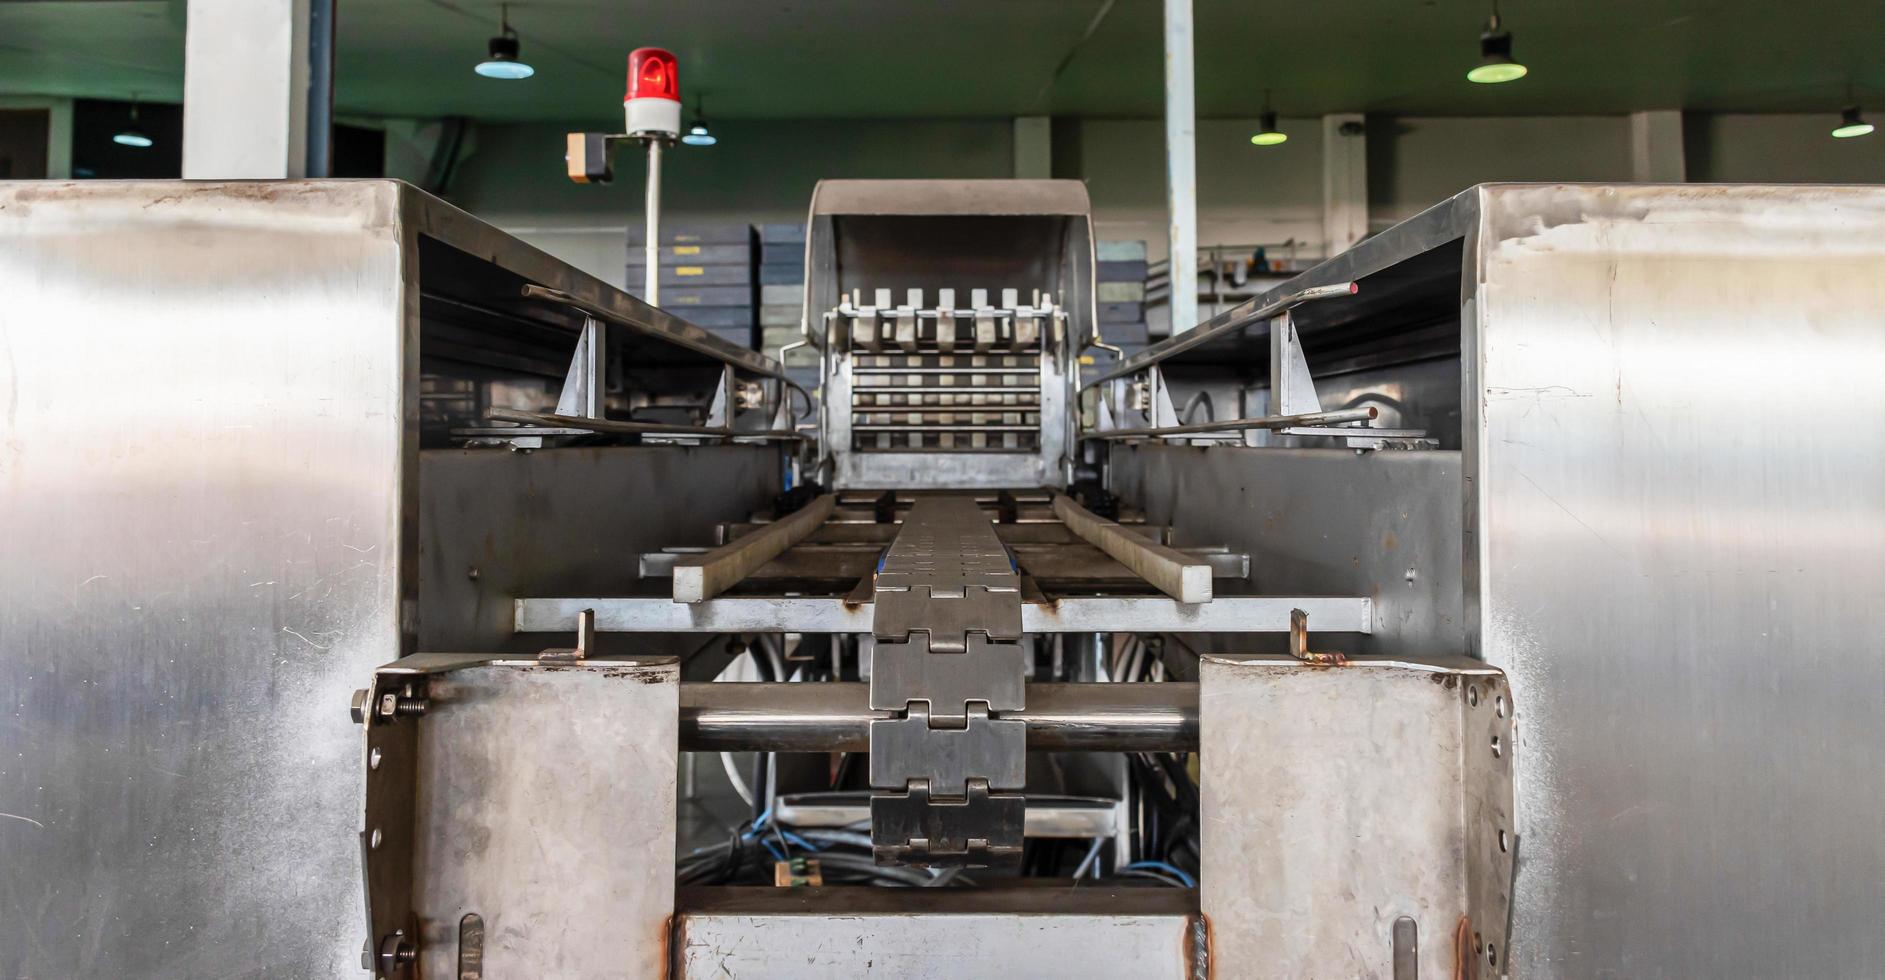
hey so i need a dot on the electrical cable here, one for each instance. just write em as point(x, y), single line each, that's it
point(733, 776)
point(1189, 881)
point(810, 406)
point(942, 877)
point(1202, 398)
point(1091, 859)
point(850, 837)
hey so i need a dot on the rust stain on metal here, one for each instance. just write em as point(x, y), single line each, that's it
point(1465, 959)
point(1299, 643)
point(672, 939)
point(646, 675)
point(866, 591)
point(1201, 943)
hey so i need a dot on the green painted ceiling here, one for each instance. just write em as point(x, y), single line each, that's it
point(882, 58)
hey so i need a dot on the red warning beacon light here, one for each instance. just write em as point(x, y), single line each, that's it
point(653, 102)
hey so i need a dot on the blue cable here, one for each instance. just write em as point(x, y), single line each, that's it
point(758, 823)
point(1189, 881)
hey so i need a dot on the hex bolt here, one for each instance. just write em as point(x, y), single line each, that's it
point(359, 707)
point(401, 706)
point(396, 953)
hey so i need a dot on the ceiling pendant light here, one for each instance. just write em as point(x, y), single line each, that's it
point(1851, 124)
point(1495, 54)
point(505, 60)
point(1267, 132)
point(697, 134)
point(131, 134)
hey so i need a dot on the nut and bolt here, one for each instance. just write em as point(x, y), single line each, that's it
point(390, 706)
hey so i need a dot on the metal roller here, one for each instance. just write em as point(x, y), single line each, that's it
point(836, 717)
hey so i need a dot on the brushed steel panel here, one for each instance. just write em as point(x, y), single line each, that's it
point(939, 934)
point(1682, 573)
point(546, 806)
point(210, 505)
point(1337, 801)
point(1319, 521)
point(567, 521)
point(202, 466)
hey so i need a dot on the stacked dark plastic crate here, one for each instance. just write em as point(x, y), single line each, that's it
point(707, 276)
point(782, 299)
point(1122, 295)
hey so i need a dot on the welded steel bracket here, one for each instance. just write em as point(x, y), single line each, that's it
point(1399, 772)
point(519, 813)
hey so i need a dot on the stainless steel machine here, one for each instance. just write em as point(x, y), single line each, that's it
point(383, 597)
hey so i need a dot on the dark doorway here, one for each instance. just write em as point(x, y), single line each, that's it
point(23, 135)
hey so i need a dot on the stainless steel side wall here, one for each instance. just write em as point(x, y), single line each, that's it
point(202, 465)
point(499, 525)
point(1676, 502)
point(211, 512)
point(1320, 522)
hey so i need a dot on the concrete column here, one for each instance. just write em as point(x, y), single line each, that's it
point(245, 89)
point(1656, 153)
point(1344, 181)
point(59, 140)
point(1181, 166)
point(1034, 147)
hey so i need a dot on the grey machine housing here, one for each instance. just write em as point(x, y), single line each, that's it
point(894, 249)
point(1605, 611)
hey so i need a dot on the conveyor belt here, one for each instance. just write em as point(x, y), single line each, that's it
point(937, 585)
point(948, 659)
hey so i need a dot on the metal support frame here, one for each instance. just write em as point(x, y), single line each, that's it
point(320, 112)
point(585, 386)
point(1181, 167)
point(843, 614)
point(1297, 407)
point(540, 424)
point(1256, 311)
point(651, 208)
point(1292, 389)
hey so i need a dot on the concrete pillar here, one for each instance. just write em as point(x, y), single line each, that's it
point(1344, 181)
point(59, 140)
point(1181, 165)
point(1034, 147)
point(245, 89)
point(1656, 154)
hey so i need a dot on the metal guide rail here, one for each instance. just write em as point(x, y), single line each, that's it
point(943, 378)
point(942, 590)
point(812, 570)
